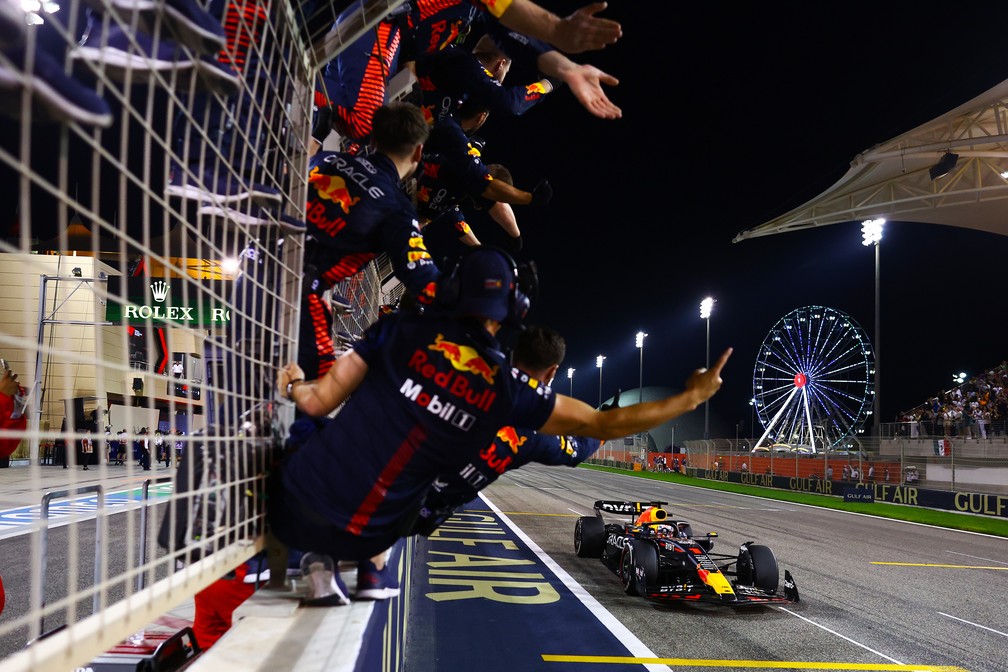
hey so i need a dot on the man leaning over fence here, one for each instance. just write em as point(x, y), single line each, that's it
point(423, 395)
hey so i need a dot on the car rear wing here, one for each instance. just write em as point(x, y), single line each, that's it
point(629, 508)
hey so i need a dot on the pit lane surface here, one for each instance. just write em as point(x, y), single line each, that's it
point(876, 594)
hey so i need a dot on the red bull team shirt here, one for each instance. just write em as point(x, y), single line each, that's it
point(510, 449)
point(452, 170)
point(357, 209)
point(436, 393)
point(445, 78)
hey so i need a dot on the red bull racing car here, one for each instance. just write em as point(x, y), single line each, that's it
point(660, 559)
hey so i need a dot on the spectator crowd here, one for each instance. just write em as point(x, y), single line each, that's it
point(977, 408)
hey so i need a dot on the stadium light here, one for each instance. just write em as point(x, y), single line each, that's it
point(570, 377)
point(598, 363)
point(640, 344)
point(706, 307)
point(871, 234)
point(752, 417)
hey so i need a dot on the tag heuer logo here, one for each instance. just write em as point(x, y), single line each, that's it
point(160, 290)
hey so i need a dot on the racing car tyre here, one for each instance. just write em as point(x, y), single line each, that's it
point(758, 567)
point(639, 557)
point(589, 537)
point(628, 571)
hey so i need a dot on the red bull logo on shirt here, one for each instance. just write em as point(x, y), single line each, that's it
point(460, 382)
point(464, 358)
point(535, 88)
point(332, 188)
point(510, 436)
point(494, 461)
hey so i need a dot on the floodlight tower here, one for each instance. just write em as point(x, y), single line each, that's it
point(871, 234)
point(598, 364)
point(640, 344)
point(706, 307)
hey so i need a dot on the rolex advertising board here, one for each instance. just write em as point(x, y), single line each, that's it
point(157, 300)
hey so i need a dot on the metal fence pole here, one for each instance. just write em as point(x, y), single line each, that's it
point(38, 582)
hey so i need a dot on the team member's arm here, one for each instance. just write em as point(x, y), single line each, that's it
point(463, 161)
point(571, 416)
point(585, 82)
point(466, 235)
point(503, 214)
point(323, 396)
point(502, 192)
point(581, 31)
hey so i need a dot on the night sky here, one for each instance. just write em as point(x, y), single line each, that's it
point(732, 116)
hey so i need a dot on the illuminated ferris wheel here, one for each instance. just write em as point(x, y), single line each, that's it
point(814, 379)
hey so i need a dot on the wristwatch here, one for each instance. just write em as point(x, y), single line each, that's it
point(290, 386)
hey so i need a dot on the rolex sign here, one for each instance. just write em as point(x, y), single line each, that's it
point(195, 305)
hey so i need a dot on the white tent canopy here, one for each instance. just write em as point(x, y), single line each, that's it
point(892, 179)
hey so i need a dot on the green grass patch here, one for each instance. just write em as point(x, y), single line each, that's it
point(957, 521)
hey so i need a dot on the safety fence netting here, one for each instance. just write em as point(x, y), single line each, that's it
point(153, 168)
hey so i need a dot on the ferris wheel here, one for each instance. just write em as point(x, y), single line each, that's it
point(814, 380)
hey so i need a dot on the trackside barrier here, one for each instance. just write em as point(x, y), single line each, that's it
point(986, 504)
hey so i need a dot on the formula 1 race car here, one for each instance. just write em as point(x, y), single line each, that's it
point(660, 559)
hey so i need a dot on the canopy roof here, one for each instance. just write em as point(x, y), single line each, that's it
point(892, 179)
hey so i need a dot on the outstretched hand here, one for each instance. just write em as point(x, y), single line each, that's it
point(703, 383)
point(585, 82)
point(542, 194)
point(583, 31)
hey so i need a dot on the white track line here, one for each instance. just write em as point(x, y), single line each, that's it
point(977, 625)
point(978, 557)
point(844, 637)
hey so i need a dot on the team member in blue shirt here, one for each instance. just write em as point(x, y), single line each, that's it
point(446, 78)
point(355, 81)
point(420, 396)
point(356, 210)
point(453, 170)
point(537, 355)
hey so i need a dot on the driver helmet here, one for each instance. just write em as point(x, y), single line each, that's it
point(665, 531)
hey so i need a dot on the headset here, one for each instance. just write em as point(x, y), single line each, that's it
point(523, 286)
